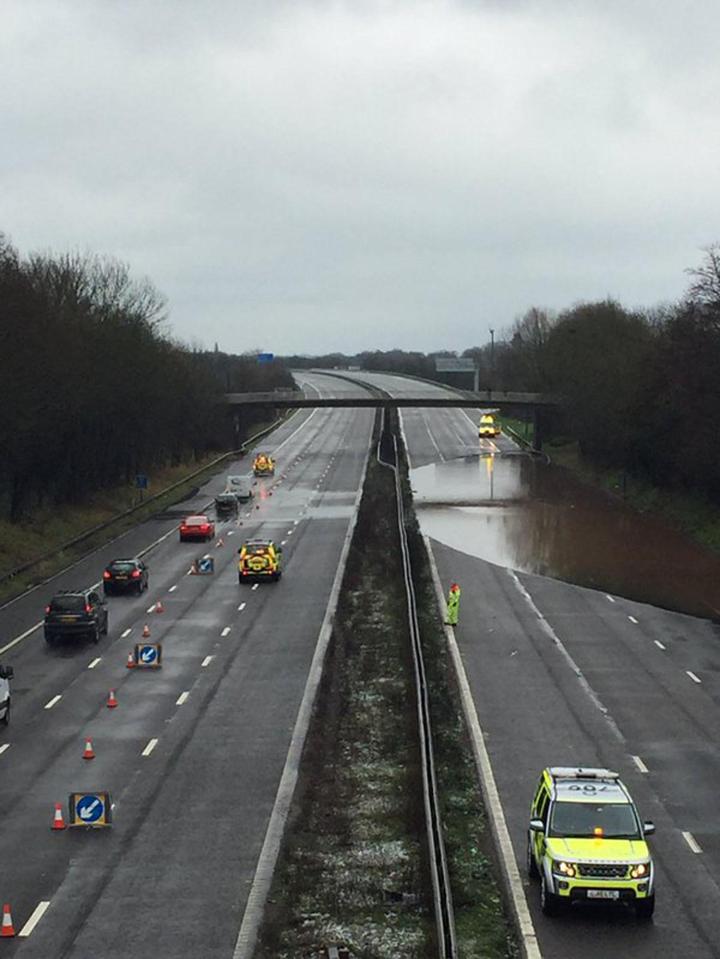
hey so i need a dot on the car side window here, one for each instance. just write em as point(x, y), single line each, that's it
point(543, 804)
point(94, 599)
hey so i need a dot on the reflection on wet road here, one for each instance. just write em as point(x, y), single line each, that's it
point(517, 512)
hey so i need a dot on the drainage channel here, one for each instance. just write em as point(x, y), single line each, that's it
point(387, 454)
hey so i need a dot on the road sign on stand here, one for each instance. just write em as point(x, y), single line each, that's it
point(205, 565)
point(148, 655)
point(89, 809)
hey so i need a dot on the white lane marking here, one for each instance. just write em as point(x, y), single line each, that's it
point(296, 522)
point(151, 610)
point(632, 619)
point(695, 679)
point(290, 532)
point(172, 588)
point(607, 596)
point(20, 638)
point(4, 747)
point(241, 607)
point(691, 841)
point(55, 699)
point(94, 663)
point(182, 697)
point(226, 631)
point(549, 631)
point(282, 542)
point(230, 532)
point(34, 919)
point(189, 572)
point(255, 586)
point(640, 764)
point(207, 660)
point(126, 633)
point(659, 644)
point(149, 748)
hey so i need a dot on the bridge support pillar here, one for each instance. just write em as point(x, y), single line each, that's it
point(537, 441)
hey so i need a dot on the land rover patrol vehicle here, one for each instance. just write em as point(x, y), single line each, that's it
point(259, 559)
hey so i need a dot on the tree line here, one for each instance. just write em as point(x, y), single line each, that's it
point(93, 389)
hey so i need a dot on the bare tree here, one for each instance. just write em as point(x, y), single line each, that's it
point(705, 286)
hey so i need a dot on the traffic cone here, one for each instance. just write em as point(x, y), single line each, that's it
point(58, 821)
point(219, 543)
point(159, 608)
point(112, 701)
point(146, 631)
point(89, 753)
point(131, 664)
point(7, 924)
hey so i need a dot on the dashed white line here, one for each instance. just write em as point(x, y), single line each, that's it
point(282, 542)
point(34, 919)
point(53, 701)
point(4, 747)
point(182, 697)
point(149, 748)
point(640, 764)
point(94, 663)
point(207, 661)
point(226, 631)
point(255, 586)
point(241, 607)
point(632, 619)
point(290, 532)
point(611, 598)
point(691, 841)
point(172, 588)
point(151, 610)
point(126, 633)
point(659, 644)
point(695, 679)
point(296, 522)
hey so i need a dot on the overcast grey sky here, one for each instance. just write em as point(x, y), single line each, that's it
point(308, 176)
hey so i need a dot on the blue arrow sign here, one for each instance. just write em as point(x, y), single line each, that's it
point(90, 808)
point(148, 654)
point(206, 564)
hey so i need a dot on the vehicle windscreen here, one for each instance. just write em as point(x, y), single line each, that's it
point(122, 566)
point(195, 521)
point(583, 820)
point(64, 603)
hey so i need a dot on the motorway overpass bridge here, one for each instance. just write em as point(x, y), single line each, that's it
point(370, 396)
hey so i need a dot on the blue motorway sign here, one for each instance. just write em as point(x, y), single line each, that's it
point(265, 357)
point(148, 655)
point(90, 809)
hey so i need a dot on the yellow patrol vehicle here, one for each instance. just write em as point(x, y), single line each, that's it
point(488, 426)
point(259, 559)
point(586, 842)
point(264, 465)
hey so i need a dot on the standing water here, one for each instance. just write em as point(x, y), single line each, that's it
point(518, 512)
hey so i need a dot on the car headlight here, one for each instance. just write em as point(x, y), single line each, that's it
point(640, 871)
point(568, 869)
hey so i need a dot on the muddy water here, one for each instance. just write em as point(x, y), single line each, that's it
point(520, 513)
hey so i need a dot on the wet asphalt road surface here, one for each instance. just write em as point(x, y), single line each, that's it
point(193, 754)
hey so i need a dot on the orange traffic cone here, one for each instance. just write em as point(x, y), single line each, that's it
point(58, 821)
point(159, 608)
point(7, 924)
point(131, 664)
point(88, 754)
point(146, 631)
point(112, 701)
point(219, 543)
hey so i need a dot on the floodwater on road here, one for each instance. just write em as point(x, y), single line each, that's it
point(518, 512)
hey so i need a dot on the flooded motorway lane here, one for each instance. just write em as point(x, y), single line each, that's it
point(518, 512)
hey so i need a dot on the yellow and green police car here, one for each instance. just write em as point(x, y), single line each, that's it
point(259, 559)
point(488, 426)
point(586, 842)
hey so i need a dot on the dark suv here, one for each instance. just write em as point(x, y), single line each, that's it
point(75, 613)
point(125, 575)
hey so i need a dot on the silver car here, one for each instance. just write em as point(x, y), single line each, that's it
point(6, 674)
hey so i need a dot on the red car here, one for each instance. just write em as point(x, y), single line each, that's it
point(196, 527)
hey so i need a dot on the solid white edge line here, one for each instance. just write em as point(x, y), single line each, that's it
point(659, 644)
point(265, 868)
point(20, 638)
point(149, 748)
point(695, 679)
point(640, 764)
point(94, 663)
point(486, 776)
point(182, 698)
point(207, 660)
point(4, 747)
point(692, 842)
point(34, 919)
point(53, 701)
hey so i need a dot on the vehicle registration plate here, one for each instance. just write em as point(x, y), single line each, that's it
point(603, 894)
point(121, 577)
point(68, 619)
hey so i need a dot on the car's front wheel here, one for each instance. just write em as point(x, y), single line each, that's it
point(6, 718)
point(532, 869)
point(549, 902)
point(644, 908)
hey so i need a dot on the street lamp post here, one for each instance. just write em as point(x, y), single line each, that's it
point(492, 358)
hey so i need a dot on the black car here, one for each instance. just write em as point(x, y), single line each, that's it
point(76, 613)
point(125, 575)
point(225, 505)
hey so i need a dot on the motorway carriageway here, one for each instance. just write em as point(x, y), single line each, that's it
point(194, 754)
